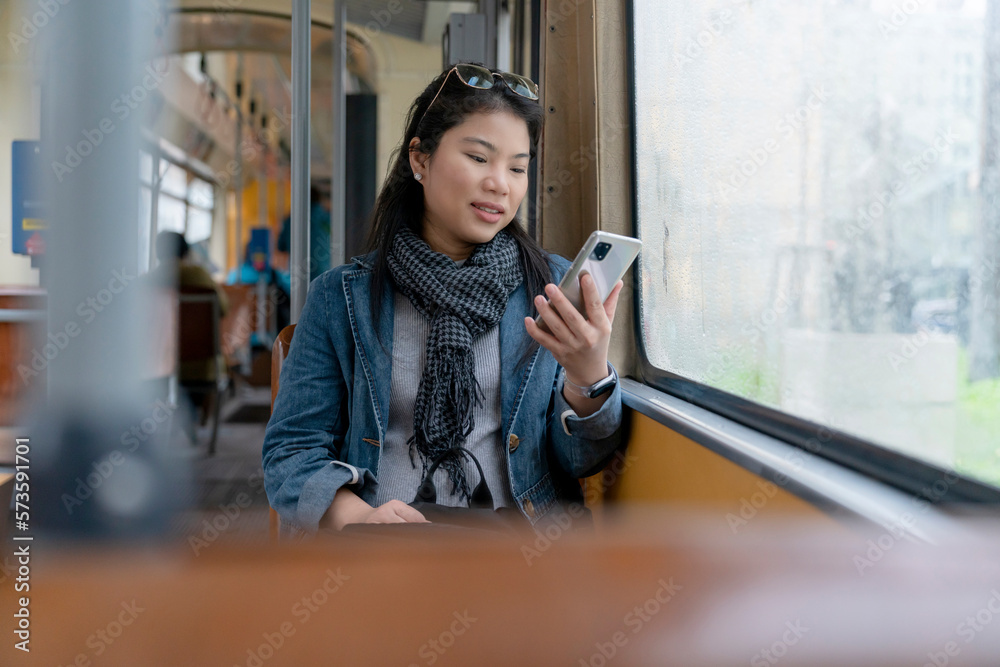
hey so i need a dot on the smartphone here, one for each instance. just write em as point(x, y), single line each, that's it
point(606, 257)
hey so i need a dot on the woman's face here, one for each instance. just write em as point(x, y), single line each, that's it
point(474, 181)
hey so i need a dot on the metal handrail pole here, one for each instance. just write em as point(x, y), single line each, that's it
point(338, 183)
point(301, 79)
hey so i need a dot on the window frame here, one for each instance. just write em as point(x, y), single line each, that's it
point(894, 468)
point(186, 200)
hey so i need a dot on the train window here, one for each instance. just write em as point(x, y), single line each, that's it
point(201, 199)
point(199, 225)
point(174, 180)
point(818, 219)
point(170, 214)
point(200, 194)
point(185, 203)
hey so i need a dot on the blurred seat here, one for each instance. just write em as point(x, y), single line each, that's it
point(6, 490)
point(200, 352)
point(238, 325)
point(278, 353)
point(159, 375)
point(21, 367)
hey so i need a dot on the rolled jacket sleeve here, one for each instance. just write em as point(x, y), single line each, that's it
point(322, 485)
point(591, 440)
point(301, 458)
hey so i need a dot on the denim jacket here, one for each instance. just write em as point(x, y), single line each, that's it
point(329, 417)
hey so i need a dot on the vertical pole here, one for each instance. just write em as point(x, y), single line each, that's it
point(101, 315)
point(502, 27)
point(238, 187)
point(91, 202)
point(238, 159)
point(490, 8)
point(338, 199)
point(261, 315)
point(301, 78)
point(537, 32)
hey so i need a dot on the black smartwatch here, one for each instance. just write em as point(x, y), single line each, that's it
point(602, 386)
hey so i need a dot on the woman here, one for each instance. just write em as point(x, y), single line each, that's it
point(428, 343)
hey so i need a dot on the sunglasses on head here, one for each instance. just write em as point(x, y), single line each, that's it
point(475, 76)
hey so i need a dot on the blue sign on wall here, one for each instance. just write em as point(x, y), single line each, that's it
point(28, 220)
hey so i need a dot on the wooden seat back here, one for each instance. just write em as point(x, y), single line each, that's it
point(278, 353)
point(163, 335)
point(198, 325)
point(238, 324)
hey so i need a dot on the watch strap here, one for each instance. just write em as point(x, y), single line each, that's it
point(593, 391)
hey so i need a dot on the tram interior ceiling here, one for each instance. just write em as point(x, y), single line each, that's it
point(805, 356)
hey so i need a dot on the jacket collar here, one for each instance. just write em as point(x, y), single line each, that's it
point(366, 261)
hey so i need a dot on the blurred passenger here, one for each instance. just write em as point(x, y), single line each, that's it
point(319, 233)
point(255, 267)
point(176, 269)
point(429, 343)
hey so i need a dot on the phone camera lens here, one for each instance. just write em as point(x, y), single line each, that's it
point(601, 251)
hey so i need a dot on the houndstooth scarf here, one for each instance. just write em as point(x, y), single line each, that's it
point(461, 303)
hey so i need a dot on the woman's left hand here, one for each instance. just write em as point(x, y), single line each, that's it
point(579, 344)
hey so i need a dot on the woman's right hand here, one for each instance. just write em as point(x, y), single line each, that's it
point(394, 511)
point(348, 508)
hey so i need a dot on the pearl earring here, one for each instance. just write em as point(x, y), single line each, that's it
point(418, 176)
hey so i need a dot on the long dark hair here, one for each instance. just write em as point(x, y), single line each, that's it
point(401, 202)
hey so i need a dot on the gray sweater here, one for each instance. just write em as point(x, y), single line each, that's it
point(398, 478)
